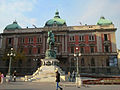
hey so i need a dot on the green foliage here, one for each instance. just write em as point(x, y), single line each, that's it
point(5, 57)
point(18, 56)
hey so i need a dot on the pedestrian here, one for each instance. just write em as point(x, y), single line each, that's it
point(2, 78)
point(58, 80)
point(14, 76)
point(73, 76)
point(69, 76)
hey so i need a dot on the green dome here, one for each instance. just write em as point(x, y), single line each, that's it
point(12, 26)
point(103, 21)
point(56, 21)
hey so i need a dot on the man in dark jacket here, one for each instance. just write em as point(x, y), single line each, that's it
point(14, 76)
point(58, 80)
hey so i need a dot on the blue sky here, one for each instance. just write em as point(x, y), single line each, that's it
point(37, 12)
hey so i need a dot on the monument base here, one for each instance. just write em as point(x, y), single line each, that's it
point(46, 73)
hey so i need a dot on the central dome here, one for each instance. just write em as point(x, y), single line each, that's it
point(56, 21)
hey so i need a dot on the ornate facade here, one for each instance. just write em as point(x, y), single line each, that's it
point(96, 43)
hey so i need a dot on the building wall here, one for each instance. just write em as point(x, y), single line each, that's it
point(67, 39)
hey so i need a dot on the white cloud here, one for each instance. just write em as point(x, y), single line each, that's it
point(14, 10)
point(108, 8)
point(97, 8)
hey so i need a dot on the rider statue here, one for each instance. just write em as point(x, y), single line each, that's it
point(50, 53)
point(50, 39)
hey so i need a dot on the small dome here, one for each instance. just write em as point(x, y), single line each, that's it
point(12, 26)
point(103, 21)
point(56, 21)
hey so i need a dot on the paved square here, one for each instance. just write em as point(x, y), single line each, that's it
point(51, 86)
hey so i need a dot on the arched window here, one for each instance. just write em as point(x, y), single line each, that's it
point(30, 50)
point(72, 62)
point(82, 62)
point(19, 62)
point(92, 62)
point(72, 49)
point(38, 50)
point(29, 62)
point(107, 62)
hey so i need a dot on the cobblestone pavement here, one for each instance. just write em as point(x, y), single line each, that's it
point(51, 86)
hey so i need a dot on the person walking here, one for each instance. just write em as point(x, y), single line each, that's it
point(73, 76)
point(14, 76)
point(58, 80)
point(2, 78)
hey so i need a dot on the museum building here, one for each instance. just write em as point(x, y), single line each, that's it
point(96, 45)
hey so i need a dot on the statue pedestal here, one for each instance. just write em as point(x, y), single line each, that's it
point(46, 73)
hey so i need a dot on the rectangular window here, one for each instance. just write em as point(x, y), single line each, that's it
point(72, 49)
point(92, 49)
point(58, 38)
point(30, 51)
point(38, 50)
point(81, 49)
point(9, 40)
point(57, 49)
point(72, 38)
point(81, 38)
point(107, 62)
point(91, 38)
point(106, 48)
point(105, 37)
point(39, 39)
point(30, 40)
point(21, 49)
point(22, 40)
point(82, 62)
point(92, 62)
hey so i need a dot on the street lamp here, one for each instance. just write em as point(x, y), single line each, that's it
point(77, 55)
point(11, 54)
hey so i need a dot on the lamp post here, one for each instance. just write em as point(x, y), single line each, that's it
point(77, 55)
point(11, 54)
